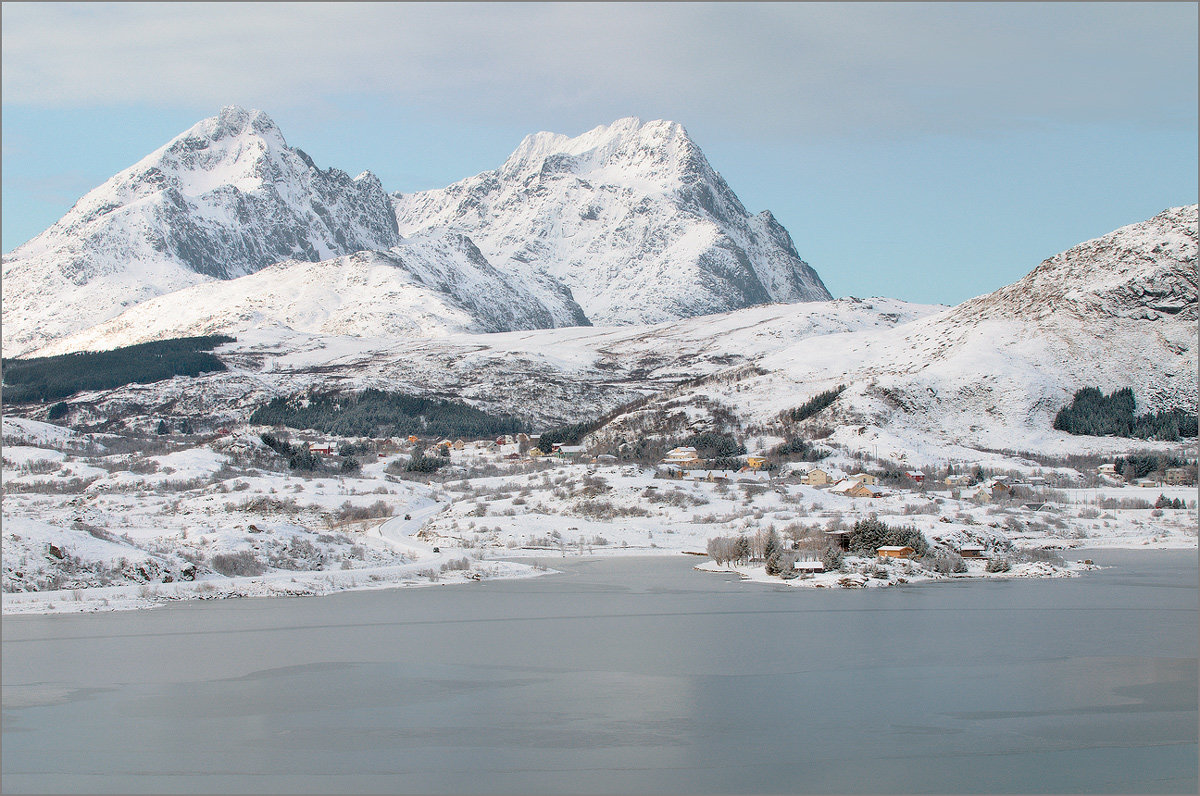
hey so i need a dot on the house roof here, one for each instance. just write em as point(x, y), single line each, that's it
point(894, 548)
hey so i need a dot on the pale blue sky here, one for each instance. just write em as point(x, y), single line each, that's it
point(930, 152)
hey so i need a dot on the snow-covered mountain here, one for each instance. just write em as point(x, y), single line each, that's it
point(431, 284)
point(223, 199)
point(630, 217)
point(1117, 311)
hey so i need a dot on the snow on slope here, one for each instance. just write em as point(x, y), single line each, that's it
point(630, 217)
point(1117, 311)
point(549, 376)
point(429, 285)
point(223, 199)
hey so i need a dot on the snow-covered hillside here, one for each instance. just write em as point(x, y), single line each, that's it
point(630, 217)
point(548, 376)
point(429, 285)
point(1117, 311)
point(223, 199)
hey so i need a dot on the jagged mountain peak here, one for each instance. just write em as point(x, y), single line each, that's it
point(630, 217)
point(225, 198)
point(627, 143)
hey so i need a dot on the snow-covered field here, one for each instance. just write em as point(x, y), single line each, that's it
point(105, 522)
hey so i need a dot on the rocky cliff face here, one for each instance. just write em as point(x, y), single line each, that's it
point(630, 217)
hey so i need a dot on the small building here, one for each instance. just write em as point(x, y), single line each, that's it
point(513, 456)
point(892, 551)
point(840, 538)
point(459, 444)
point(916, 475)
point(682, 457)
point(1107, 469)
point(852, 487)
point(971, 551)
point(816, 477)
point(1145, 482)
point(320, 448)
point(809, 567)
point(1181, 476)
point(865, 478)
point(606, 458)
point(958, 480)
point(412, 439)
point(536, 453)
point(569, 451)
point(756, 462)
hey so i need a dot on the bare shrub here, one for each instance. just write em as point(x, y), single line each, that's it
point(241, 563)
point(349, 512)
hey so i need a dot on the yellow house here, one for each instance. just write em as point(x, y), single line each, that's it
point(536, 452)
point(756, 462)
point(459, 444)
point(865, 478)
point(816, 477)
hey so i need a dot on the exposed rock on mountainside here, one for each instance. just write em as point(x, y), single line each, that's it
point(630, 217)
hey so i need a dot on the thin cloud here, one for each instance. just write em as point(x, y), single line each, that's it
point(770, 70)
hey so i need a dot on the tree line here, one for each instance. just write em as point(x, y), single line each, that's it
point(1093, 413)
point(376, 413)
point(51, 378)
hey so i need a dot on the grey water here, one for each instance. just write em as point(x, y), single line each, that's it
point(634, 675)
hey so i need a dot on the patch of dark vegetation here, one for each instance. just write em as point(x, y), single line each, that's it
point(41, 379)
point(299, 457)
point(376, 413)
point(870, 534)
point(800, 449)
point(814, 405)
point(1095, 414)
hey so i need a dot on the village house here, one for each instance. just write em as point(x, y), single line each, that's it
point(569, 451)
point(1181, 476)
point(816, 477)
point(839, 538)
point(756, 462)
point(891, 551)
point(958, 480)
point(321, 448)
point(808, 567)
point(971, 551)
point(915, 475)
point(459, 444)
point(1107, 469)
point(864, 478)
point(852, 487)
point(536, 453)
point(682, 457)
